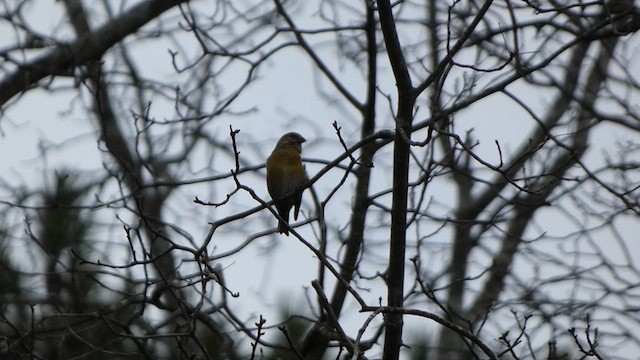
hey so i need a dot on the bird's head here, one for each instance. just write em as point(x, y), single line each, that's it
point(291, 140)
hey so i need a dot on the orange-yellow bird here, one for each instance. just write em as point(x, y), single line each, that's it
point(286, 177)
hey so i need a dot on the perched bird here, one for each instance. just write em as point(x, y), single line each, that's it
point(286, 177)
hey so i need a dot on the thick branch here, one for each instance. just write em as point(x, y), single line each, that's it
point(88, 47)
point(316, 343)
point(401, 150)
point(525, 209)
point(150, 204)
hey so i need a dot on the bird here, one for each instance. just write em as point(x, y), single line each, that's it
point(286, 177)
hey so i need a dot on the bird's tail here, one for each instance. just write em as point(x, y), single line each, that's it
point(283, 228)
